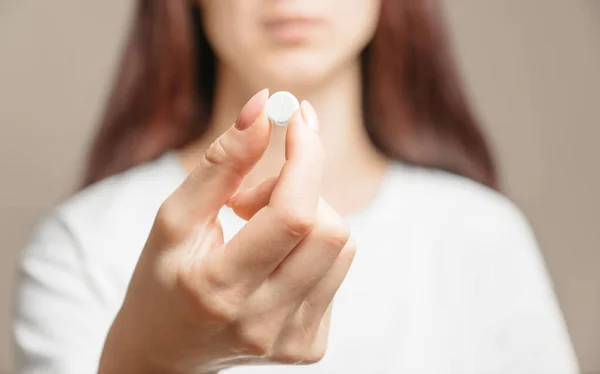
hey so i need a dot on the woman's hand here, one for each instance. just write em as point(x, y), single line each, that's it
point(197, 304)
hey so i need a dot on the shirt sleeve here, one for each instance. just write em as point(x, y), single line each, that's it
point(525, 332)
point(59, 322)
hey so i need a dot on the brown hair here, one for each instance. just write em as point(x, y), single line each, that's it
point(414, 104)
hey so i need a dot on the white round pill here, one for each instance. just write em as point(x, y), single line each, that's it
point(281, 107)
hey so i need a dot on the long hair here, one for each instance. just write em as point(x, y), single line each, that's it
point(414, 103)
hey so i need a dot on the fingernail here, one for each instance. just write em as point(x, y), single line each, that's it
point(252, 110)
point(310, 116)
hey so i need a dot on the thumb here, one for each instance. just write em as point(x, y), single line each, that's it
point(225, 164)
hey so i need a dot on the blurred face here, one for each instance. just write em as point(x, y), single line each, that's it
point(287, 43)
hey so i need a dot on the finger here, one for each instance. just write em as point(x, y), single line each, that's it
point(320, 297)
point(246, 203)
point(303, 340)
point(304, 267)
point(310, 323)
point(320, 335)
point(224, 165)
point(256, 250)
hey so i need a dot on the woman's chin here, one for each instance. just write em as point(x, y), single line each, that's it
point(294, 78)
point(291, 67)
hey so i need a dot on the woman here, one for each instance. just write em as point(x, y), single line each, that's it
point(201, 246)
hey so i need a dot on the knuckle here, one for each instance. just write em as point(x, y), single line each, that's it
point(336, 236)
point(348, 253)
point(255, 340)
point(349, 250)
point(215, 300)
point(216, 155)
point(218, 309)
point(219, 154)
point(296, 221)
point(298, 354)
point(290, 354)
point(171, 221)
point(314, 356)
point(215, 280)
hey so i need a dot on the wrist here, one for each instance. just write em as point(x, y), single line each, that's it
point(120, 356)
point(126, 352)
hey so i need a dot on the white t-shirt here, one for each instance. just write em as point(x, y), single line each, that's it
point(447, 279)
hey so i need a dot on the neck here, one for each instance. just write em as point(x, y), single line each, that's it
point(349, 154)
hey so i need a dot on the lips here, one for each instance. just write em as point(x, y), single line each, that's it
point(290, 19)
point(292, 29)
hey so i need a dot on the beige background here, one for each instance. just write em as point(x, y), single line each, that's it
point(532, 66)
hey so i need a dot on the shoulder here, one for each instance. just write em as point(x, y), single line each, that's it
point(455, 202)
point(112, 216)
point(131, 195)
point(459, 217)
point(487, 271)
point(469, 229)
point(77, 263)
